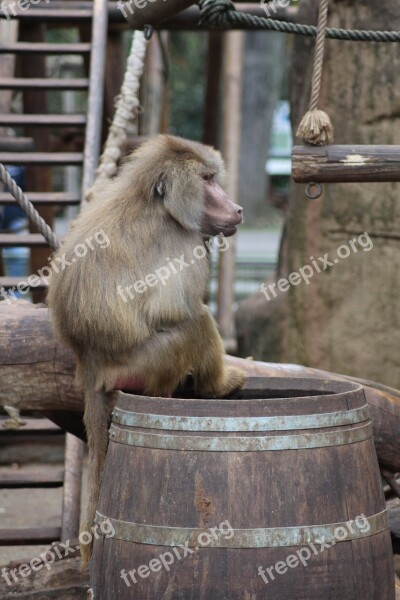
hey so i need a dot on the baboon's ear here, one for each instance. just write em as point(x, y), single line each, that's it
point(184, 197)
point(160, 187)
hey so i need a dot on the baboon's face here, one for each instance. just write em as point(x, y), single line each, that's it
point(221, 215)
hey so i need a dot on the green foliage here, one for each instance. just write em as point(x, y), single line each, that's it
point(187, 83)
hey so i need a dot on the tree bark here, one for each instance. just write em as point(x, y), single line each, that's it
point(346, 319)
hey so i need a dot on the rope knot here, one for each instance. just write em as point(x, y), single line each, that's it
point(216, 13)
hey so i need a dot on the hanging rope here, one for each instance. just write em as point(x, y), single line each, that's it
point(222, 14)
point(28, 208)
point(126, 111)
point(316, 127)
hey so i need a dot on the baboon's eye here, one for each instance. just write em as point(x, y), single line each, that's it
point(208, 176)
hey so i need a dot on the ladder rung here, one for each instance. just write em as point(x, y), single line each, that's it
point(29, 537)
point(44, 48)
point(31, 479)
point(11, 120)
point(16, 144)
point(52, 198)
point(38, 83)
point(15, 240)
point(41, 158)
point(43, 14)
point(32, 425)
point(11, 283)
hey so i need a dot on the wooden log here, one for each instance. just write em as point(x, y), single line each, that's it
point(64, 581)
point(345, 164)
point(151, 13)
point(189, 19)
point(37, 373)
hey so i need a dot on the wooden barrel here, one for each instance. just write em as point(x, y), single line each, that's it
point(274, 494)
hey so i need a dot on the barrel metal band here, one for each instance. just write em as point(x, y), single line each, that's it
point(226, 537)
point(165, 441)
point(225, 424)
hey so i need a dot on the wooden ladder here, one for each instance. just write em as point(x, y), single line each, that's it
point(34, 151)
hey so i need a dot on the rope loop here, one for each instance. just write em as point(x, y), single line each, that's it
point(217, 13)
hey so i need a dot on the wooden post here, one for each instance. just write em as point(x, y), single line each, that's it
point(95, 97)
point(71, 509)
point(211, 128)
point(233, 57)
point(114, 76)
point(38, 178)
point(154, 89)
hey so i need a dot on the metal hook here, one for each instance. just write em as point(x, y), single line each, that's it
point(317, 193)
point(148, 31)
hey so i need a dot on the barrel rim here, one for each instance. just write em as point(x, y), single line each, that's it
point(347, 387)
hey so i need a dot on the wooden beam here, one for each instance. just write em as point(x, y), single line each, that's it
point(345, 164)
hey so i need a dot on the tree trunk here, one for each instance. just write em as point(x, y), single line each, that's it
point(346, 318)
point(263, 65)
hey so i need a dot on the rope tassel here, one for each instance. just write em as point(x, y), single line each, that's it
point(316, 127)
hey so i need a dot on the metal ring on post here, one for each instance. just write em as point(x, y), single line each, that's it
point(316, 194)
point(148, 31)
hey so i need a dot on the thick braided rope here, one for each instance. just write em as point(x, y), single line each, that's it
point(28, 208)
point(316, 127)
point(319, 55)
point(126, 110)
point(222, 14)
